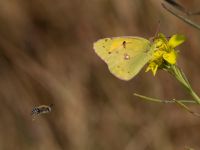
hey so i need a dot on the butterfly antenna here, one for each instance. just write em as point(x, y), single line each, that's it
point(156, 33)
point(157, 29)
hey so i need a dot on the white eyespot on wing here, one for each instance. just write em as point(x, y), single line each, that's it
point(126, 56)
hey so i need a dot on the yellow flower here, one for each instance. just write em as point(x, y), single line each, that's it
point(165, 53)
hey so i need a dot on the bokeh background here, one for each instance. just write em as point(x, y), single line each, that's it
point(47, 57)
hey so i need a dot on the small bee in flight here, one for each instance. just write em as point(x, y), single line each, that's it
point(42, 109)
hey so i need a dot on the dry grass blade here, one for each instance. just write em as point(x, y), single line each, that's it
point(176, 5)
point(186, 20)
point(181, 8)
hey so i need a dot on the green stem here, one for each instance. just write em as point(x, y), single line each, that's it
point(179, 102)
point(163, 101)
point(180, 76)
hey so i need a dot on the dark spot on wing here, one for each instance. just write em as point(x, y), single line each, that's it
point(103, 46)
point(109, 52)
point(106, 40)
point(124, 44)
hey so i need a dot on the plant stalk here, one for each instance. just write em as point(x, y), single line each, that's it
point(180, 76)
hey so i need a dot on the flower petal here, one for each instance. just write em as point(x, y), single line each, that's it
point(162, 37)
point(170, 57)
point(176, 40)
point(153, 67)
point(158, 54)
point(154, 70)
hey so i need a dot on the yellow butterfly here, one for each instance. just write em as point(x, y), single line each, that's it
point(125, 56)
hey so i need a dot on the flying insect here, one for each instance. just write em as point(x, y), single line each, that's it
point(42, 109)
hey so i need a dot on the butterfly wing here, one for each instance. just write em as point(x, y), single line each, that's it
point(125, 56)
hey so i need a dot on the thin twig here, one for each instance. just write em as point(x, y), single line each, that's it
point(186, 108)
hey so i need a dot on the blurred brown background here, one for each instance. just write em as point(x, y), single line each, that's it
point(46, 56)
